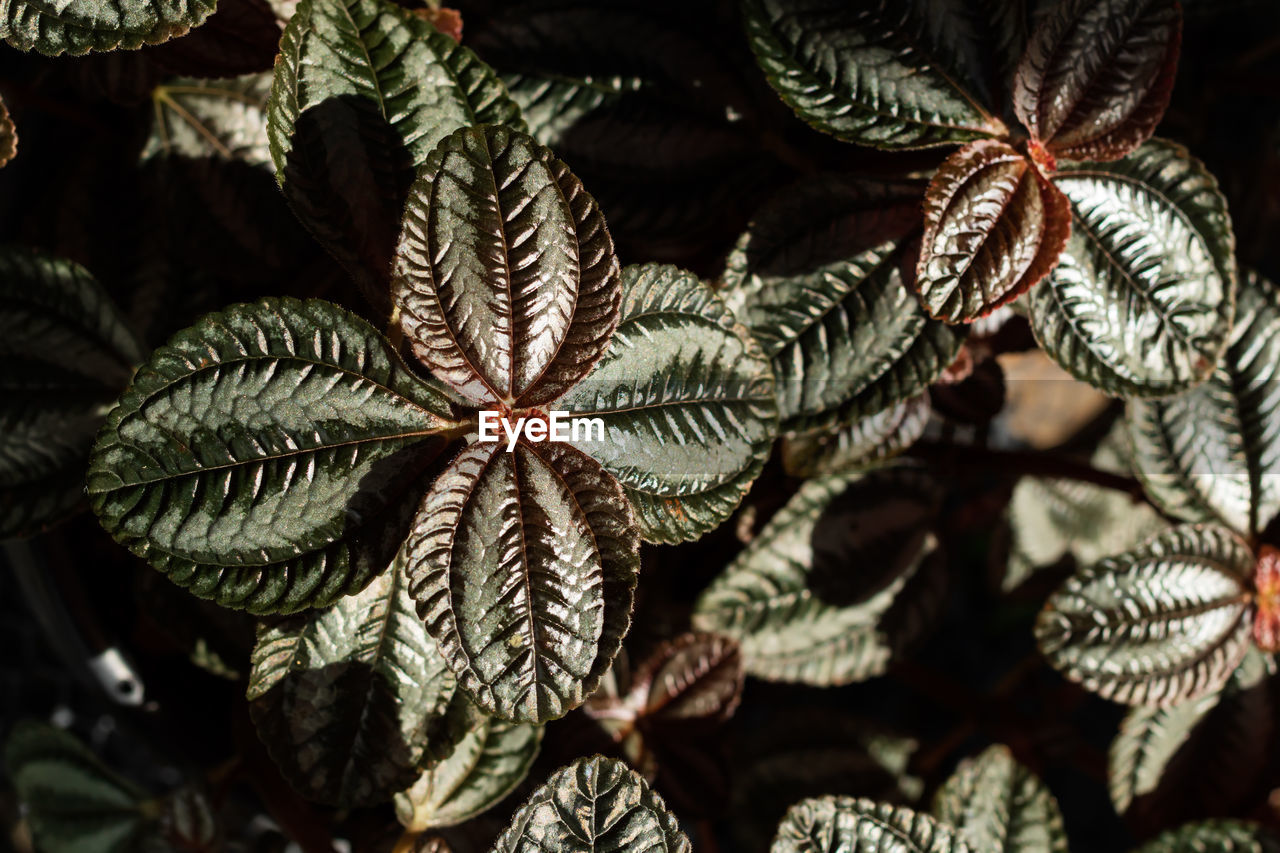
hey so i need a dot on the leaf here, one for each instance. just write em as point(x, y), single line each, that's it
point(994, 226)
point(693, 677)
point(268, 411)
point(344, 698)
point(593, 804)
point(524, 568)
point(874, 72)
point(837, 583)
point(1096, 77)
point(363, 91)
point(80, 26)
point(8, 136)
point(999, 806)
point(212, 118)
point(1141, 303)
point(818, 279)
point(482, 766)
point(1215, 836)
point(66, 352)
point(680, 376)
point(241, 37)
point(1266, 615)
point(849, 825)
point(505, 276)
point(861, 444)
point(1210, 453)
point(1164, 623)
point(74, 803)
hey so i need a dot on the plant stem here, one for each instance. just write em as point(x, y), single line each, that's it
point(1020, 463)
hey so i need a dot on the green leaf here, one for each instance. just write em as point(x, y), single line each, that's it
point(8, 136)
point(994, 226)
point(1142, 300)
point(345, 698)
point(861, 444)
point(212, 118)
point(875, 72)
point(269, 412)
point(484, 763)
point(849, 825)
point(524, 567)
point(1164, 623)
point(1211, 453)
point(818, 278)
point(792, 602)
point(66, 353)
point(594, 804)
point(680, 375)
point(80, 26)
point(999, 806)
point(505, 275)
point(363, 91)
point(74, 803)
point(1215, 836)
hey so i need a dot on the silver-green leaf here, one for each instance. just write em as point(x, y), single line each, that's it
point(80, 26)
point(999, 806)
point(861, 444)
point(1215, 836)
point(849, 825)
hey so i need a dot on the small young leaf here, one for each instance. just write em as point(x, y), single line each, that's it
point(993, 227)
point(999, 806)
point(680, 373)
point(344, 698)
point(524, 567)
point(271, 411)
point(886, 73)
point(80, 26)
point(8, 136)
point(1215, 836)
point(861, 444)
point(505, 275)
point(849, 825)
point(1164, 623)
point(1141, 303)
point(1097, 76)
point(694, 677)
point(1212, 453)
point(212, 118)
point(594, 804)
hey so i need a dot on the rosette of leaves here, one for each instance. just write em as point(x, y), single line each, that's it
point(1124, 260)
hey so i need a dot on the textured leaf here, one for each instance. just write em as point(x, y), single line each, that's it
point(80, 26)
point(363, 91)
point(344, 698)
point(876, 72)
point(8, 136)
point(836, 584)
point(484, 763)
point(848, 825)
point(1212, 453)
point(1215, 836)
point(1097, 76)
point(505, 275)
point(993, 227)
point(859, 445)
point(1141, 303)
point(66, 353)
point(680, 376)
point(1164, 623)
point(524, 568)
point(594, 804)
point(695, 676)
point(274, 411)
point(999, 806)
point(212, 118)
point(241, 37)
point(818, 279)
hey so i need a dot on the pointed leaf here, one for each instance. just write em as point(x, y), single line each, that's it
point(66, 353)
point(999, 806)
point(524, 568)
point(80, 26)
point(273, 411)
point(594, 804)
point(212, 118)
point(849, 825)
point(680, 375)
point(1097, 75)
point(344, 698)
point(1212, 453)
point(1215, 836)
point(993, 227)
point(1141, 302)
point(1164, 623)
point(861, 444)
point(695, 676)
point(876, 72)
point(8, 136)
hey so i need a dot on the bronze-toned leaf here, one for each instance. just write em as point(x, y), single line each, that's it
point(8, 136)
point(695, 676)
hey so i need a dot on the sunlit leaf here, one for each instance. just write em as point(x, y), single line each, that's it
point(999, 806)
point(270, 412)
point(80, 26)
point(858, 445)
point(1164, 623)
point(849, 825)
point(1214, 836)
point(212, 118)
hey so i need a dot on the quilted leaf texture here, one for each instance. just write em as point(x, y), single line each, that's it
point(997, 805)
point(80, 26)
point(849, 825)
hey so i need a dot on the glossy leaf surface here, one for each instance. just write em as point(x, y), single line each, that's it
point(997, 805)
point(852, 825)
point(695, 676)
point(84, 25)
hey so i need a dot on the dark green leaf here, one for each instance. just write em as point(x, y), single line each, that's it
point(505, 276)
point(848, 825)
point(594, 804)
point(861, 444)
point(1215, 836)
point(80, 26)
point(270, 412)
point(1141, 302)
point(999, 806)
point(679, 376)
point(1164, 623)
point(212, 118)
point(524, 567)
